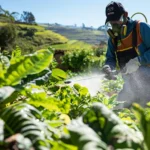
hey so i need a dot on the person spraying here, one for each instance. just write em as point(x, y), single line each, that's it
point(129, 51)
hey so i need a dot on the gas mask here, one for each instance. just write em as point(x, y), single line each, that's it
point(116, 29)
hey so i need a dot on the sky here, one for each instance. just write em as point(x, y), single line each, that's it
point(71, 12)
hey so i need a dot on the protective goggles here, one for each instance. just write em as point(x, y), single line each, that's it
point(119, 22)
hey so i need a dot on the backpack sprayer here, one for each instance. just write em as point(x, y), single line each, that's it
point(112, 74)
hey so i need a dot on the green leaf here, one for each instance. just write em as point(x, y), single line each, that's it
point(38, 97)
point(29, 64)
point(143, 116)
point(104, 121)
point(59, 74)
point(62, 146)
point(38, 79)
point(84, 137)
point(84, 91)
point(25, 119)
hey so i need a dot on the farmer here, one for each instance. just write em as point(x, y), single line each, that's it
point(129, 50)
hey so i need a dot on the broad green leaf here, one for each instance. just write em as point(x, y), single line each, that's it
point(38, 79)
point(38, 97)
point(29, 64)
point(105, 121)
point(15, 54)
point(77, 86)
point(62, 146)
point(143, 116)
point(84, 91)
point(59, 74)
point(25, 119)
point(84, 137)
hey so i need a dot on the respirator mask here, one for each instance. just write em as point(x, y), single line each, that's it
point(116, 28)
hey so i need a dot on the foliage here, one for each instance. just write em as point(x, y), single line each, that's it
point(100, 128)
point(144, 121)
point(28, 17)
point(6, 16)
point(30, 37)
point(26, 119)
point(73, 45)
point(39, 111)
point(30, 32)
point(88, 36)
point(83, 59)
point(111, 87)
point(52, 37)
point(7, 35)
point(25, 65)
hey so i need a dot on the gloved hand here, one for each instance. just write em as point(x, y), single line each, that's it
point(109, 74)
point(106, 69)
point(131, 66)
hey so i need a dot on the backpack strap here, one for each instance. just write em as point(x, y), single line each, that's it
point(134, 36)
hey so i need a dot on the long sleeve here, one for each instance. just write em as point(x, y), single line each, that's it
point(145, 34)
point(110, 55)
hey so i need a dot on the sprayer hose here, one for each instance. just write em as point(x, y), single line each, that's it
point(140, 14)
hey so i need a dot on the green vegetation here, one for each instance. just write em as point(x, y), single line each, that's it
point(88, 36)
point(11, 17)
point(30, 37)
point(39, 111)
point(73, 45)
point(83, 60)
point(7, 36)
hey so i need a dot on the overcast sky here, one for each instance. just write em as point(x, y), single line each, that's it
point(70, 12)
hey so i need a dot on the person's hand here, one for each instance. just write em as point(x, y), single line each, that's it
point(131, 66)
point(109, 74)
point(106, 69)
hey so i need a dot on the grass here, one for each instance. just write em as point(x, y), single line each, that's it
point(73, 45)
point(88, 36)
point(26, 27)
point(40, 38)
point(3, 24)
point(50, 35)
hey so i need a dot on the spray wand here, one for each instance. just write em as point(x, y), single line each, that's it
point(111, 76)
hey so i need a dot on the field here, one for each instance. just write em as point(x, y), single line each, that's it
point(89, 36)
point(73, 45)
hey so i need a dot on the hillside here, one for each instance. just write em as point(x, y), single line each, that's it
point(73, 45)
point(91, 36)
point(33, 37)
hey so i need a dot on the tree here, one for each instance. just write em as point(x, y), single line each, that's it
point(15, 15)
point(27, 17)
point(8, 17)
point(7, 35)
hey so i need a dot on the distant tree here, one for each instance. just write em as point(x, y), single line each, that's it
point(7, 35)
point(27, 17)
point(6, 14)
point(16, 16)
